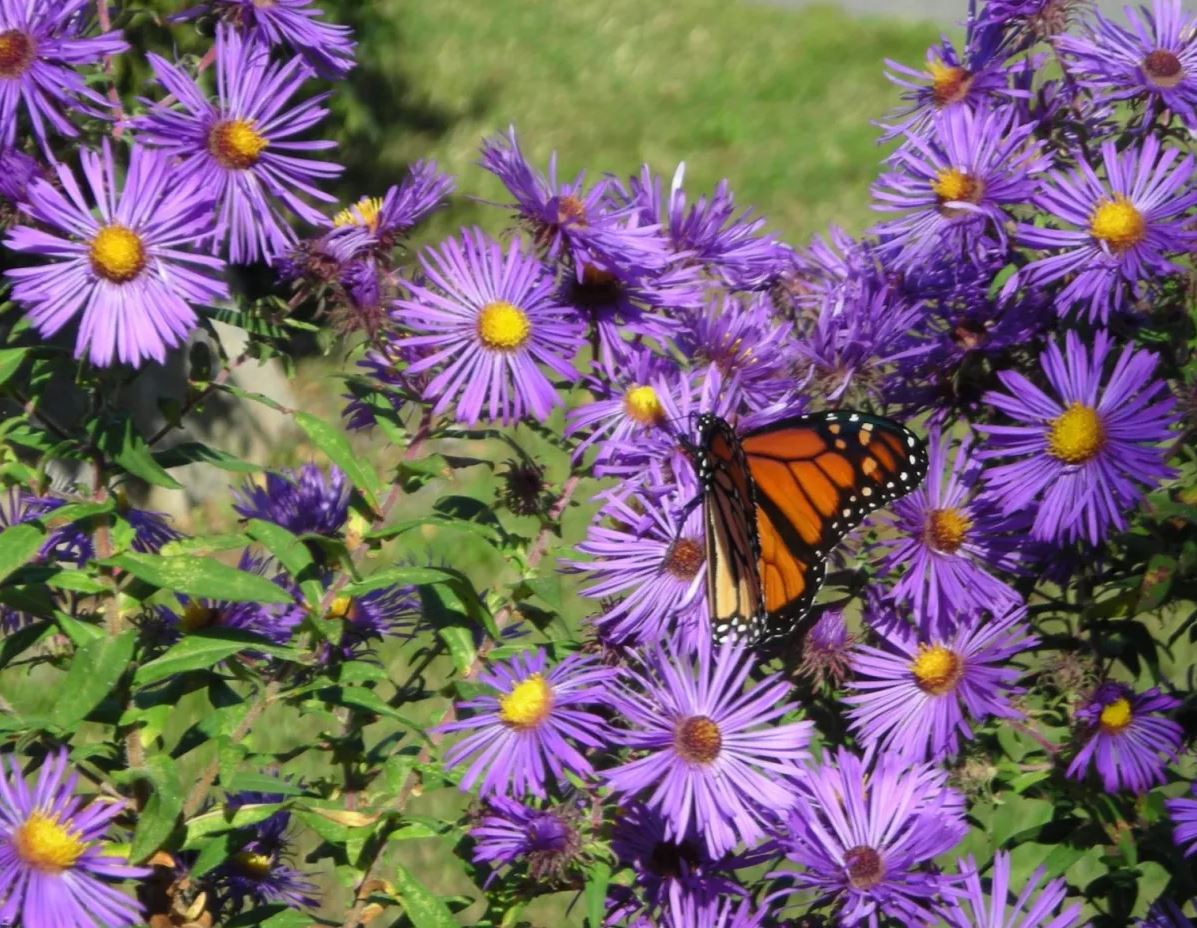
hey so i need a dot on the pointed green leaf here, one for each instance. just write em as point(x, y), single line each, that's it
point(425, 909)
point(200, 577)
point(202, 650)
point(94, 671)
point(18, 544)
point(157, 820)
point(333, 443)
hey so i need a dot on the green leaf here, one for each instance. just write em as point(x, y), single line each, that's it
point(18, 544)
point(200, 577)
point(272, 916)
point(221, 819)
point(1022, 817)
point(596, 894)
point(196, 452)
point(423, 908)
point(10, 361)
point(157, 820)
point(291, 552)
point(94, 671)
point(246, 781)
point(332, 442)
point(1157, 581)
point(203, 650)
point(120, 441)
point(400, 576)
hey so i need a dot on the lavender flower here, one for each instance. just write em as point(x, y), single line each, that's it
point(954, 187)
point(489, 322)
point(326, 47)
point(1164, 914)
point(1183, 811)
point(583, 227)
point(916, 695)
point(509, 833)
point(302, 500)
point(129, 275)
point(827, 650)
point(711, 757)
point(865, 835)
point(259, 873)
point(647, 564)
point(528, 729)
point(1125, 226)
point(377, 225)
point(947, 536)
point(1086, 455)
point(1125, 737)
point(56, 871)
point(241, 147)
point(1034, 907)
point(272, 622)
point(387, 612)
point(1154, 61)
point(17, 172)
point(41, 45)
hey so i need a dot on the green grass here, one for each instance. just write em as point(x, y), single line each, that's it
point(778, 101)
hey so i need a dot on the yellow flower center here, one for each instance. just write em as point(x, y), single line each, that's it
point(196, 616)
point(503, 327)
point(363, 213)
point(341, 607)
point(1117, 223)
point(1116, 716)
point(864, 865)
point(236, 144)
point(937, 670)
point(47, 845)
point(642, 405)
point(528, 704)
point(1163, 69)
point(697, 739)
point(949, 83)
point(17, 52)
point(117, 254)
point(947, 529)
point(1076, 435)
point(952, 184)
point(256, 866)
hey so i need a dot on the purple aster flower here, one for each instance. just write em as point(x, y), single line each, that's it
point(302, 500)
point(948, 538)
point(866, 835)
point(56, 871)
point(955, 185)
point(1033, 19)
point(856, 336)
point(1155, 60)
point(739, 336)
point(41, 45)
point(735, 249)
point(569, 222)
point(827, 650)
point(259, 873)
point(326, 47)
point(128, 274)
point(242, 147)
point(1164, 914)
point(151, 530)
point(388, 612)
point(627, 404)
point(711, 758)
point(17, 172)
point(68, 544)
point(917, 695)
point(1086, 452)
point(949, 81)
point(377, 225)
point(647, 563)
point(530, 727)
point(509, 833)
point(273, 622)
point(489, 321)
point(1183, 811)
point(1034, 907)
point(1125, 737)
point(1124, 227)
point(678, 880)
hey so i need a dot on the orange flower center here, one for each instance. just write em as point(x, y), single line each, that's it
point(117, 253)
point(949, 83)
point(684, 558)
point(697, 739)
point(1117, 223)
point(937, 670)
point(1163, 69)
point(236, 144)
point(947, 529)
point(17, 52)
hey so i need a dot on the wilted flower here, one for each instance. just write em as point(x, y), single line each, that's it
point(509, 833)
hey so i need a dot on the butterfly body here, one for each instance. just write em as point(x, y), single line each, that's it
point(779, 498)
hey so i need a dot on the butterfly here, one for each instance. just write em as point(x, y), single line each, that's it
point(778, 499)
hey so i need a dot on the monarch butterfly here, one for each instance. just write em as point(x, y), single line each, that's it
point(779, 498)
